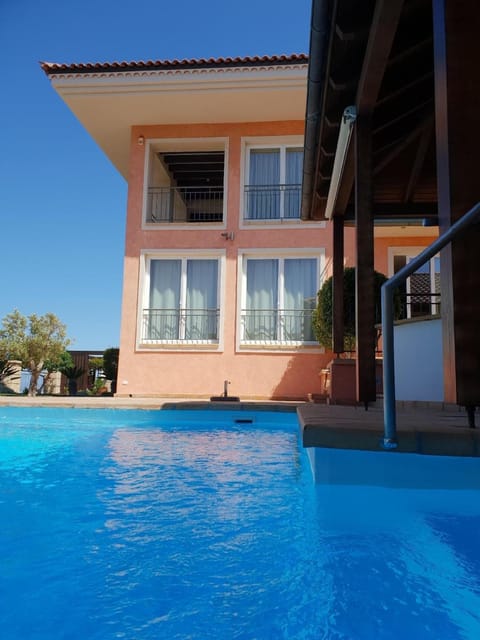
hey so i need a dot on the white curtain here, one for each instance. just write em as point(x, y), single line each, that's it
point(300, 288)
point(262, 296)
point(201, 303)
point(164, 299)
point(293, 181)
point(264, 195)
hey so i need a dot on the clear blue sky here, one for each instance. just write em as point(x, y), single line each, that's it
point(62, 204)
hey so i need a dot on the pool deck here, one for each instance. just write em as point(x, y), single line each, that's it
point(426, 428)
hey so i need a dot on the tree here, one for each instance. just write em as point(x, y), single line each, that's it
point(51, 366)
point(72, 374)
point(322, 318)
point(110, 365)
point(35, 340)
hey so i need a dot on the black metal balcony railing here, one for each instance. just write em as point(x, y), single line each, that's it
point(185, 204)
point(272, 202)
point(277, 325)
point(416, 305)
point(176, 325)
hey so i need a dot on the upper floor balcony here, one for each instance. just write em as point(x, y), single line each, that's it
point(185, 204)
point(186, 187)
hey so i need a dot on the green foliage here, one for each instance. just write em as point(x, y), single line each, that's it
point(96, 387)
point(35, 340)
point(96, 364)
point(8, 374)
point(323, 315)
point(110, 363)
point(72, 373)
point(7, 371)
point(63, 361)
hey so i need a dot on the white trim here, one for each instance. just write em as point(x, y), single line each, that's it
point(167, 80)
point(146, 256)
point(159, 145)
point(411, 252)
point(279, 254)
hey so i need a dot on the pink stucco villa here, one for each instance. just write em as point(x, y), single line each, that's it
point(220, 272)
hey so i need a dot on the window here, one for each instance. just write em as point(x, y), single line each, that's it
point(420, 295)
point(279, 296)
point(182, 299)
point(273, 184)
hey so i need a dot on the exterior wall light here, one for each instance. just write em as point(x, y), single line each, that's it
point(141, 140)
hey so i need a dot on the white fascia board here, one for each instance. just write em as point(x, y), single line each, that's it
point(140, 82)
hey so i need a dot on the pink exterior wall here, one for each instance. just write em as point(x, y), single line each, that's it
point(189, 373)
point(383, 244)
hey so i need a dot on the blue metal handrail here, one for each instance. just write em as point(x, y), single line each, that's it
point(388, 288)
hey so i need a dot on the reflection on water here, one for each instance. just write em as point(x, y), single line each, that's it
point(112, 530)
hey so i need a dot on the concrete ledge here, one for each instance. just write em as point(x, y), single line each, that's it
point(145, 402)
point(429, 432)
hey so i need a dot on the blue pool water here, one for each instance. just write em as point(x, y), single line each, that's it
point(164, 525)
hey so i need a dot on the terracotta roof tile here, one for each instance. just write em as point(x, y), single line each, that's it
point(192, 63)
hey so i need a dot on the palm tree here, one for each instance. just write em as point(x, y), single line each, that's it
point(72, 374)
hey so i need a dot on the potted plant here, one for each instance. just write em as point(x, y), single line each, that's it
point(341, 370)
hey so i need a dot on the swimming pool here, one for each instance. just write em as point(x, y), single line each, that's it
point(195, 525)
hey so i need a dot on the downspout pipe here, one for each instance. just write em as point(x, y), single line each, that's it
point(319, 26)
point(388, 288)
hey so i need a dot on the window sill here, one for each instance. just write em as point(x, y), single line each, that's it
point(281, 223)
point(184, 345)
point(305, 347)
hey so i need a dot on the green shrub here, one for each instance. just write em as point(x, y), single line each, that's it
point(322, 319)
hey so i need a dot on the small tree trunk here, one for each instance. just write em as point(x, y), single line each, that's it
point(72, 387)
point(32, 388)
point(46, 380)
point(35, 370)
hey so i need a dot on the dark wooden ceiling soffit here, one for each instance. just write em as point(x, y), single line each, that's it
point(196, 168)
point(346, 46)
point(380, 60)
point(384, 26)
point(380, 40)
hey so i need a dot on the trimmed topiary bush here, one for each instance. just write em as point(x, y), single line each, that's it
point(322, 319)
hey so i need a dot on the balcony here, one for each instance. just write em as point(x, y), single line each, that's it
point(272, 202)
point(180, 325)
point(185, 204)
point(417, 305)
point(276, 326)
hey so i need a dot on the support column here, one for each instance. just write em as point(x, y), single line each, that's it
point(338, 287)
point(364, 286)
point(457, 96)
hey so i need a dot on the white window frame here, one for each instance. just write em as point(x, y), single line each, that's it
point(144, 298)
point(172, 145)
point(281, 255)
point(410, 253)
point(269, 142)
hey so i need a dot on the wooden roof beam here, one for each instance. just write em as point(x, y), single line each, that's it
point(405, 114)
point(411, 50)
point(405, 142)
point(382, 33)
point(419, 161)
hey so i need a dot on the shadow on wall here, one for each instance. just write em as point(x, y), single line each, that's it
point(301, 377)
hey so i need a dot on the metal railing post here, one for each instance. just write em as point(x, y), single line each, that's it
point(389, 409)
